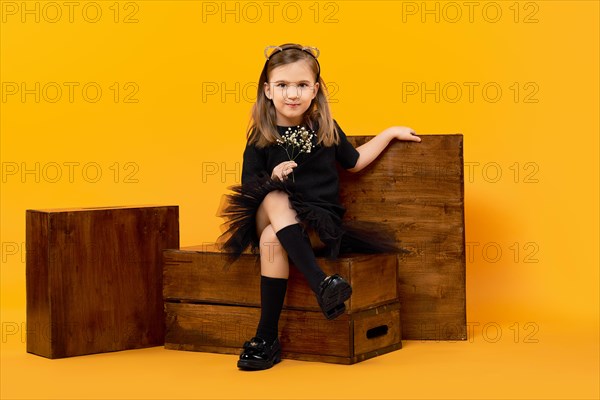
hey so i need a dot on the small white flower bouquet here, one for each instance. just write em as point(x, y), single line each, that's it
point(296, 142)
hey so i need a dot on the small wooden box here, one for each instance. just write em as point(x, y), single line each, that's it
point(304, 335)
point(94, 278)
point(191, 274)
point(213, 306)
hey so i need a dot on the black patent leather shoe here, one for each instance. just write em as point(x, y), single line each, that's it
point(333, 291)
point(258, 355)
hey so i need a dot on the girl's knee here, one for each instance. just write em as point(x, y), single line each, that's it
point(270, 247)
point(276, 205)
point(268, 237)
point(269, 241)
point(276, 197)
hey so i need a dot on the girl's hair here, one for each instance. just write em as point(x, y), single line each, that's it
point(262, 129)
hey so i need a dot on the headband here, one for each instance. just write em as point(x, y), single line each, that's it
point(272, 50)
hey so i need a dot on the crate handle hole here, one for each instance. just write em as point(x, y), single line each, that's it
point(377, 331)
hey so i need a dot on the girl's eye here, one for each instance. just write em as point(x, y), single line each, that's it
point(281, 85)
point(303, 85)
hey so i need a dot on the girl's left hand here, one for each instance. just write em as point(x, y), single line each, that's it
point(402, 133)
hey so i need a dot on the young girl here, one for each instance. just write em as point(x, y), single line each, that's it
point(289, 192)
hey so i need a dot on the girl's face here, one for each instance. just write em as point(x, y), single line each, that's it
point(292, 88)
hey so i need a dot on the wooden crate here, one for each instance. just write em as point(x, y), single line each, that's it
point(214, 306)
point(416, 190)
point(304, 335)
point(192, 274)
point(94, 278)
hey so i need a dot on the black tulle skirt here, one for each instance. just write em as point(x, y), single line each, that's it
point(340, 237)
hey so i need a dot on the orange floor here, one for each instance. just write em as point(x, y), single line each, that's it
point(557, 359)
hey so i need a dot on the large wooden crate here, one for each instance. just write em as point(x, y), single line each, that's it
point(416, 190)
point(215, 306)
point(94, 278)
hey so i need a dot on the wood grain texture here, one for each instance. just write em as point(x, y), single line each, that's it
point(94, 278)
point(304, 335)
point(206, 277)
point(416, 192)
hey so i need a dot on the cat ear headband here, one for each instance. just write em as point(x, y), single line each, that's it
point(313, 51)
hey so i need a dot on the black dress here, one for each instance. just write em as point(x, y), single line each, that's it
point(313, 190)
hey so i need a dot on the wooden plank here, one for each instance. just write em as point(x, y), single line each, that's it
point(206, 277)
point(229, 327)
point(304, 335)
point(104, 277)
point(416, 192)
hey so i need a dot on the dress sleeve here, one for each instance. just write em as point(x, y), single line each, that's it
point(255, 163)
point(345, 153)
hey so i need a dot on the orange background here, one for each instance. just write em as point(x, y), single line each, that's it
point(146, 102)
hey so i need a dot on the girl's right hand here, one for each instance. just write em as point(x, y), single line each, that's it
point(282, 170)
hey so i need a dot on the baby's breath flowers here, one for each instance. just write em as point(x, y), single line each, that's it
point(296, 142)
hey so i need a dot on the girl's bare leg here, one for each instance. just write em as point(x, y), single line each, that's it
point(273, 258)
point(273, 214)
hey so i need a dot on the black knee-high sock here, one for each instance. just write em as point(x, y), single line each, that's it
point(297, 244)
point(272, 295)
